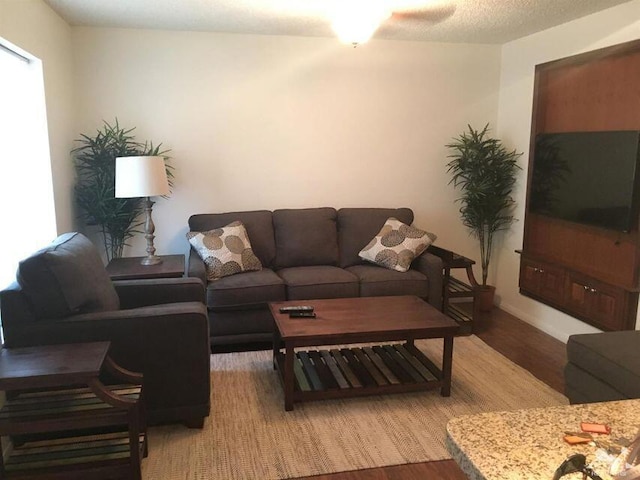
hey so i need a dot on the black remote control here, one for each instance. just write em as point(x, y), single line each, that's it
point(296, 308)
point(302, 315)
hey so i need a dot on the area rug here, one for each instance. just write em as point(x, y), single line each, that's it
point(249, 435)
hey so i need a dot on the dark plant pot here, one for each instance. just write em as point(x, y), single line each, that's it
point(484, 297)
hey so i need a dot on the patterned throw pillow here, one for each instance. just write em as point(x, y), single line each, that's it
point(225, 251)
point(396, 245)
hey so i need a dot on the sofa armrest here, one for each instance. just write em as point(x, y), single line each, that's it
point(432, 266)
point(196, 267)
point(141, 293)
point(168, 344)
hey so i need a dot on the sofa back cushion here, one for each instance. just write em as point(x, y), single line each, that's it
point(67, 277)
point(258, 224)
point(305, 237)
point(358, 226)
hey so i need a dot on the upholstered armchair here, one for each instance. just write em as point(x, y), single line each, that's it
point(157, 327)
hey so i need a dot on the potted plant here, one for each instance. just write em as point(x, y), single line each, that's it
point(95, 161)
point(485, 172)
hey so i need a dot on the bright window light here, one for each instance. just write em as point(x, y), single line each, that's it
point(26, 192)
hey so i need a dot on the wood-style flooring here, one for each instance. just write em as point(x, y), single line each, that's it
point(539, 353)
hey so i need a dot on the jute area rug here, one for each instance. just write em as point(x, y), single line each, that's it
point(249, 435)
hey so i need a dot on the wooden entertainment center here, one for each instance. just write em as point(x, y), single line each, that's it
point(588, 272)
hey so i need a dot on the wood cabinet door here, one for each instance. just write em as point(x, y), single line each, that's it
point(542, 279)
point(529, 276)
point(602, 304)
point(578, 295)
point(607, 306)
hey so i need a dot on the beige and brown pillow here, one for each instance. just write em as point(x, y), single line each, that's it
point(225, 251)
point(396, 245)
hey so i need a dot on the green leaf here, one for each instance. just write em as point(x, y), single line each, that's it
point(485, 172)
point(94, 160)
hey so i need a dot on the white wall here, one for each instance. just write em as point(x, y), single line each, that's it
point(34, 27)
point(519, 58)
point(266, 122)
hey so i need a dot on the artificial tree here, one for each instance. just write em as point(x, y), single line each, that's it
point(95, 161)
point(485, 172)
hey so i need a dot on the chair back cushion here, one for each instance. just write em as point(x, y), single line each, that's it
point(67, 277)
point(357, 226)
point(305, 237)
point(257, 223)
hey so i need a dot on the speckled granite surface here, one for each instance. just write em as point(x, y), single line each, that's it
point(528, 444)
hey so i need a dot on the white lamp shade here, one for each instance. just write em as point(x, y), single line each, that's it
point(141, 177)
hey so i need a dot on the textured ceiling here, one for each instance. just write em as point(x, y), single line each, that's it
point(472, 21)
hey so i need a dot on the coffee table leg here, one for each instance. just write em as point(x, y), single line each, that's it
point(276, 346)
point(447, 361)
point(288, 377)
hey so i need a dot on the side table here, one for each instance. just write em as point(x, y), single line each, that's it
point(56, 400)
point(454, 288)
point(130, 268)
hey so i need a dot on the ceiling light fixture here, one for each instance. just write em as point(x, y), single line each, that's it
point(356, 21)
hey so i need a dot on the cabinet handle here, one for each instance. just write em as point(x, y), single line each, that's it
point(541, 270)
point(585, 287)
point(593, 290)
point(535, 269)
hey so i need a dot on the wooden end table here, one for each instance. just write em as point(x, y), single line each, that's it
point(45, 395)
point(348, 372)
point(130, 268)
point(454, 288)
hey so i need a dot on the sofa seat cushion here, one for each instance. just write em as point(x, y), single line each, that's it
point(67, 277)
point(319, 282)
point(379, 281)
point(613, 357)
point(247, 288)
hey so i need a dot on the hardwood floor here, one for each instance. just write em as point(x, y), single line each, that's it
point(539, 353)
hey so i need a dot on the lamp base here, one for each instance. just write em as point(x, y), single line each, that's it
point(151, 260)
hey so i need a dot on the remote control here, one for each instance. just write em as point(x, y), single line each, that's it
point(296, 308)
point(302, 315)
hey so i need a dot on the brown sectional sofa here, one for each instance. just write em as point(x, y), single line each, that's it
point(306, 254)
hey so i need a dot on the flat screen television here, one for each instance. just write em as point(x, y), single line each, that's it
point(587, 177)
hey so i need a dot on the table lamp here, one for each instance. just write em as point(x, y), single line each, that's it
point(143, 176)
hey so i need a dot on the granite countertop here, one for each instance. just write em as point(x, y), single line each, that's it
point(528, 444)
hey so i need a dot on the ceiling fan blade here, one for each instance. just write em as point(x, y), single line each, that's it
point(430, 14)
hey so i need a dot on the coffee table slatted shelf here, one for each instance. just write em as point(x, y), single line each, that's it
point(365, 370)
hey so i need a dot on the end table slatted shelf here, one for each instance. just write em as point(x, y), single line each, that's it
point(60, 429)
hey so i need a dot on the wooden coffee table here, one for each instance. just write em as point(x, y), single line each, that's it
point(318, 374)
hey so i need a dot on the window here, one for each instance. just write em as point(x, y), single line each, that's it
point(27, 214)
